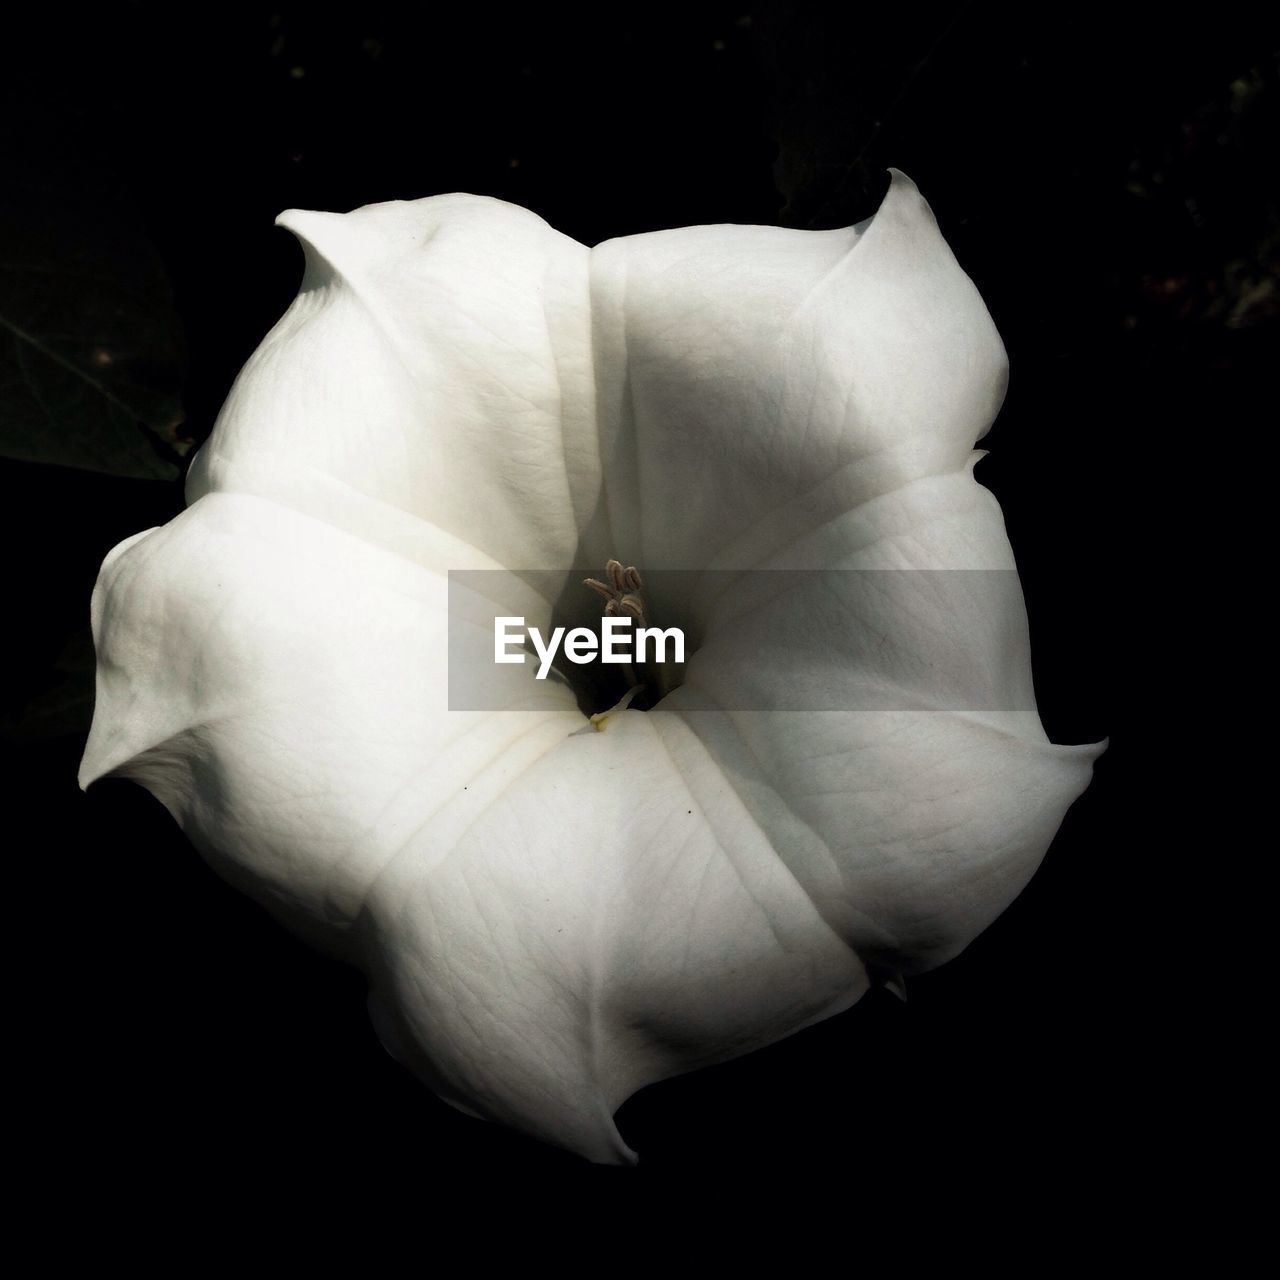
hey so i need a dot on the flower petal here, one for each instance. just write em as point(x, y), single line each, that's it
point(436, 360)
point(278, 685)
point(617, 917)
point(756, 383)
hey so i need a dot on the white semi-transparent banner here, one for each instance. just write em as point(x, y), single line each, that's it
point(755, 640)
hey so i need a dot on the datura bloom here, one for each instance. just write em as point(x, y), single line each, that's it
point(549, 916)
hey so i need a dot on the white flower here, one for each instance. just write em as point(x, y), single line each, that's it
point(550, 919)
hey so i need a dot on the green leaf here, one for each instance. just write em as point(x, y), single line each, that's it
point(90, 343)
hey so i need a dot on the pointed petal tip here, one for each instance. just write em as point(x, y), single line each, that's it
point(306, 222)
point(309, 225)
point(904, 194)
point(90, 768)
point(326, 238)
point(1086, 751)
point(93, 766)
point(591, 1133)
point(295, 220)
point(618, 1155)
point(613, 1153)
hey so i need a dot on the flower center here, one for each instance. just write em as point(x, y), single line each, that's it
point(649, 680)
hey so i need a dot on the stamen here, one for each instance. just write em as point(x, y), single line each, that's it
point(621, 592)
point(622, 598)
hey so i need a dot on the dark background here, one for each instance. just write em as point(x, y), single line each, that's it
point(1108, 178)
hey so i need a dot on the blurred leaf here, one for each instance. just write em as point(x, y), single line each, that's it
point(90, 343)
point(66, 705)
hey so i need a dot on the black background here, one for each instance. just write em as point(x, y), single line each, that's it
point(1106, 176)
